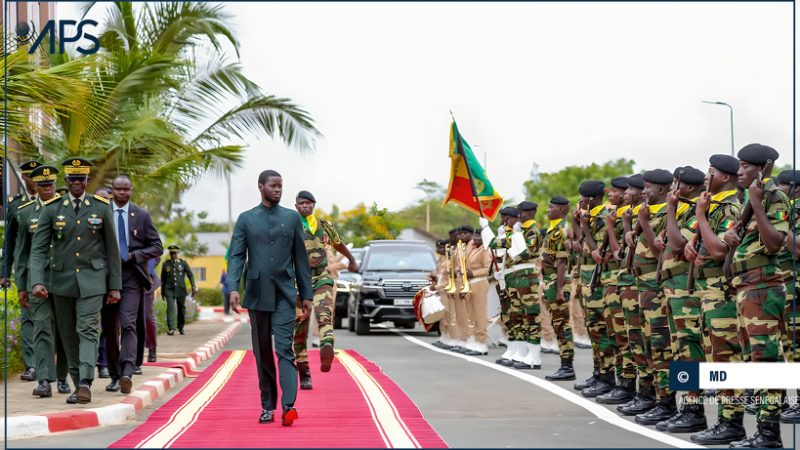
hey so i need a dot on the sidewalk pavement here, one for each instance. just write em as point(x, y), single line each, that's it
point(31, 416)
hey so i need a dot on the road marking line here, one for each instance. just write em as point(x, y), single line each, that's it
point(601, 412)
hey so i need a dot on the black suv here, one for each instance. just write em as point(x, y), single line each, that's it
point(392, 272)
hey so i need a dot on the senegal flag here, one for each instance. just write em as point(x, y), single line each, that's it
point(468, 182)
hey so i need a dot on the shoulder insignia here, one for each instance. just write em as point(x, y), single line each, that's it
point(52, 200)
point(26, 204)
point(102, 199)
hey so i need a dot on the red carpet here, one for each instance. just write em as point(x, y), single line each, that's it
point(355, 405)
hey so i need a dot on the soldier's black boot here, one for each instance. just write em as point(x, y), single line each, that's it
point(791, 415)
point(43, 389)
point(768, 435)
point(589, 381)
point(665, 409)
point(305, 376)
point(691, 419)
point(604, 384)
point(643, 402)
point(724, 432)
point(566, 372)
point(620, 394)
point(63, 387)
point(28, 375)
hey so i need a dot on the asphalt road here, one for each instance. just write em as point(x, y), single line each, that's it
point(470, 404)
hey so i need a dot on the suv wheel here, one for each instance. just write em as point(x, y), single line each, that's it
point(351, 321)
point(337, 322)
point(361, 324)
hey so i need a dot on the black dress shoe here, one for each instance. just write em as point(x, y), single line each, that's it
point(151, 356)
point(768, 435)
point(137, 370)
point(620, 394)
point(791, 415)
point(691, 419)
point(84, 394)
point(63, 387)
point(662, 426)
point(724, 432)
point(181, 332)
point(604, 384)
point(125, 385)
point(43, 389)
point(102, 372)
point(28, 375)
point(502, 361)
point(643, 402)
point(588, 382)
point(73, 398)
point(266, 416)
point(507, 362)
point(662, 411)
point(525, 366)
point(113, 386)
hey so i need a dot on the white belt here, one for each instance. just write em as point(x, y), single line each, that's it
point(478, 280)
point(519, 267)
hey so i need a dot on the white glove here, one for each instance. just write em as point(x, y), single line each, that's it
point(487, 237)
point(483, 222)
point(517, 244)
point(517, 226)
point(501, 230)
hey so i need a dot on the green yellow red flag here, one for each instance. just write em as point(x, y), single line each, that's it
point(469, 184)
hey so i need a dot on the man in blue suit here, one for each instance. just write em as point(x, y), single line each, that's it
point(270, 240)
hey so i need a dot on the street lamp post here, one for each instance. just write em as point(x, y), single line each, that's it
point(731, 109)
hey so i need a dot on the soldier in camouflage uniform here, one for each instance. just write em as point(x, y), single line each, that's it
point(523, 287)
point(716, 212)
point(318, 232)
point(508, 304)
point(10, 249)
point(759, 282)
point(684, 306)
point(625, 389)
point(788, 262)
point(592, 231)
point(555, 278)
point(652, 219)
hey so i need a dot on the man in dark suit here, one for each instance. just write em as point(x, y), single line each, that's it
point(270, 239)
point(138, 242)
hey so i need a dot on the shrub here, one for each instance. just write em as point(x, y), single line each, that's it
point(209, 297)
point(12, 350)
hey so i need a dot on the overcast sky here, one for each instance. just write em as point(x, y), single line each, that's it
point(552, 84)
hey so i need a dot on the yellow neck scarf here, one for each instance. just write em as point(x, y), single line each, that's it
point(621, 210)
point(554, 224)
point(654, 209)
point(683, 207)
point(528, 224)
point(719, 197)
point(311, 223)
point(596, 210)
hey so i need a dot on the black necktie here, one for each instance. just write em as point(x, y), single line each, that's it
point(77, 204)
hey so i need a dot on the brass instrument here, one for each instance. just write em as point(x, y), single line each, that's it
point(462, 259)
point(451, 276)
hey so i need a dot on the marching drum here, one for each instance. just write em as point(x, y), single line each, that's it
point(432, 307)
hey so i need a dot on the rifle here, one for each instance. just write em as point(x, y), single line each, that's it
point(598, 269)
point(660, 262)
point(747, 215)
point(637, 229)
point(697, 245)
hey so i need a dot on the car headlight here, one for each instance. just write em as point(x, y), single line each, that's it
point(342, 286)
point(372, 288)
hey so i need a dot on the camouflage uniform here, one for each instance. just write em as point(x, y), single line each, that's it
point(552, 251)
point(721, 336)
point(654, 306)
point(523, 286)
point(685, 324)
point(761, 295)
point(603, 346)
point(323, 284)
point(791, 345)
point(615, 314)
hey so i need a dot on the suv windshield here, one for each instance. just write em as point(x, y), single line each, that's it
point(415, 258)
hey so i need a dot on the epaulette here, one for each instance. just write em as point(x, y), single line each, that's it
point(52, 200)
point(102, 199)
point(25, 204)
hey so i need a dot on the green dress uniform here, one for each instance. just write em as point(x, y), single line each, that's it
point(84, 267)
point(173, 287)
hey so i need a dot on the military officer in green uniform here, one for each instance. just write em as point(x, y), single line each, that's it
point(789, 261)
point(318, 232)
point(45, 339)
point(10, 250)
point(270, 240)
point(174, 272)
point(84, 269)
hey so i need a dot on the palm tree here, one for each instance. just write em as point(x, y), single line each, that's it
point(167, 103)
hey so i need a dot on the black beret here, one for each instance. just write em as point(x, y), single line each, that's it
point(512, 211)
point(725, 163)
point(757, 154)
point(173, 247)
point(690, 175)
point(658, 176)
point(592, 188)
point(527, 206)
point(442, 242)
point(559, 200)
point(467, 229)
point(636, 180)
point(454, 230)
point(620, 182)
point(789, 177)
point(307, 195)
